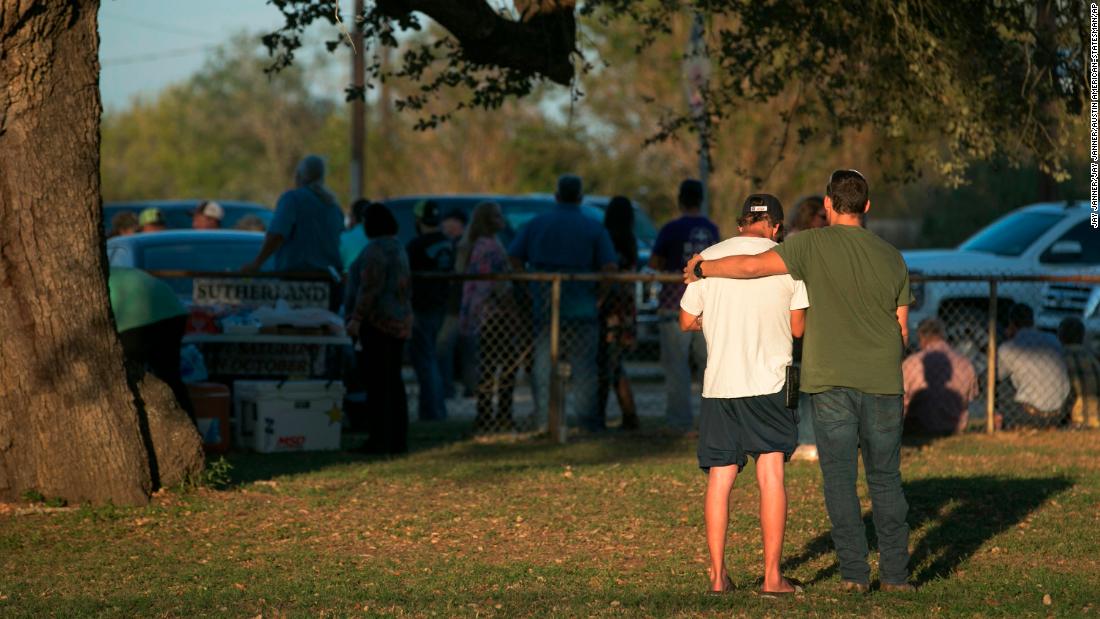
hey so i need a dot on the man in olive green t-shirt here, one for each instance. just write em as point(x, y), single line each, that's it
point(856, 326)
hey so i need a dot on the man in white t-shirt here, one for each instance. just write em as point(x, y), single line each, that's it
point(748, 326)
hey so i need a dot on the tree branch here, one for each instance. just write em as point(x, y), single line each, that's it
point(542, 44)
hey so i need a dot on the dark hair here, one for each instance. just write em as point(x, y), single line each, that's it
point(570, 189)
point(691, 194)
point(378, 221)
point(1021, 315)
point(805, 211)
point(1071, 330)
point(359, 210)
point(849, 192)
point(619, 221)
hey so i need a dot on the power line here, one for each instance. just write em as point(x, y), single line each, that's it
point(168, 53)
point(152, 25)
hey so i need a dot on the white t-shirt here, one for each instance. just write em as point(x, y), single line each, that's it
point(746, 323)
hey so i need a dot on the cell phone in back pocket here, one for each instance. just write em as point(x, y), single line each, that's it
point(790, 387)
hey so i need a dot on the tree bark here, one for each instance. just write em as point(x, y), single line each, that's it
point(69, 424)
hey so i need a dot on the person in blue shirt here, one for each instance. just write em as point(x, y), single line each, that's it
point(676, 243)
point(566, 241)
point(305, 232)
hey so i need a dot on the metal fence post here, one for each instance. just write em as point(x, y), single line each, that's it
point(556, 414)
point(991, 361)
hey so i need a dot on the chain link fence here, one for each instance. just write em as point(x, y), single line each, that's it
point(545, 352)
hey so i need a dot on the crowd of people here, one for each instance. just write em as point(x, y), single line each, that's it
point(800, 328)
point(479, 334)
point(208, 215)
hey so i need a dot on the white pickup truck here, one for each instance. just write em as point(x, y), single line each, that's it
point(1054, 238)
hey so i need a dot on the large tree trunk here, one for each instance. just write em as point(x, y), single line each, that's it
point(69, 425)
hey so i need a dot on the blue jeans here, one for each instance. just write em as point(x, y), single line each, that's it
point(577, 346)
point(805, 420)
point(425, 330)
point(677, 350)
point(847, 422)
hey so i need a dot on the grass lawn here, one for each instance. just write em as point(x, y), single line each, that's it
point(605, 527)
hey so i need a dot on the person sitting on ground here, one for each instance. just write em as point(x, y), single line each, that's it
point(124, 223)
point(748, 326)
point(208, 216)
point(1032, 360)
point(1084, 374)
point(152, 220)
point(939, 384)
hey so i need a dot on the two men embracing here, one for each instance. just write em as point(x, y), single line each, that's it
point(850, 290)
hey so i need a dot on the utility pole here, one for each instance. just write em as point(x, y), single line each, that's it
point(358, 105)
point(696, 76)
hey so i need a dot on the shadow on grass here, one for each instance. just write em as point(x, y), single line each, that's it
point(960, 513)
point(503, 457)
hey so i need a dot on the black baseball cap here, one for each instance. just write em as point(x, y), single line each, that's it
point(427, 212)
point(766, 203)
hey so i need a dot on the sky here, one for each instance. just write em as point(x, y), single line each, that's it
point(146, 45)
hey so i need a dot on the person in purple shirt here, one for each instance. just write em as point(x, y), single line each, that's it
point(676, 243)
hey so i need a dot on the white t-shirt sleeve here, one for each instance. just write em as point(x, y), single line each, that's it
point(799, 300)
point(692, 301)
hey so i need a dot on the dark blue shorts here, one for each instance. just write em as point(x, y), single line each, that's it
point(731, 429)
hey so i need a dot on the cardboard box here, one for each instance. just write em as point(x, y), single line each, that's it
point(279, 416)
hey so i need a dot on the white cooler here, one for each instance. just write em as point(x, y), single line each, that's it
point(274, 416)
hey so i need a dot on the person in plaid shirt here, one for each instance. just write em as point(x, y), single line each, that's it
point(1084, 374)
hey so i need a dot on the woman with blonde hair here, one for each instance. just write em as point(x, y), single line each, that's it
point(488, 315)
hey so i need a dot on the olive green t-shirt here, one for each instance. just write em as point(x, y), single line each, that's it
point(855, 282)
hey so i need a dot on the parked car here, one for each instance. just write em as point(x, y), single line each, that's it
point(1053, 238)
point(189, 250)
point(177, 213)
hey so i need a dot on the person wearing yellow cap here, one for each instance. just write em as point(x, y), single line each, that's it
point(152, 220)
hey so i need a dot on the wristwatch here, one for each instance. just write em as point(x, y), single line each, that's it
point(699, 270)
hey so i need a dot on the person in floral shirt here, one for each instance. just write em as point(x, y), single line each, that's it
point(488, 315)
point(382, 322)
point(618, 315)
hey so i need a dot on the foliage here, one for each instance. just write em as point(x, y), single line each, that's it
point(165, 148)
point(607, 527)
point(230, 132)
point(943, 83)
